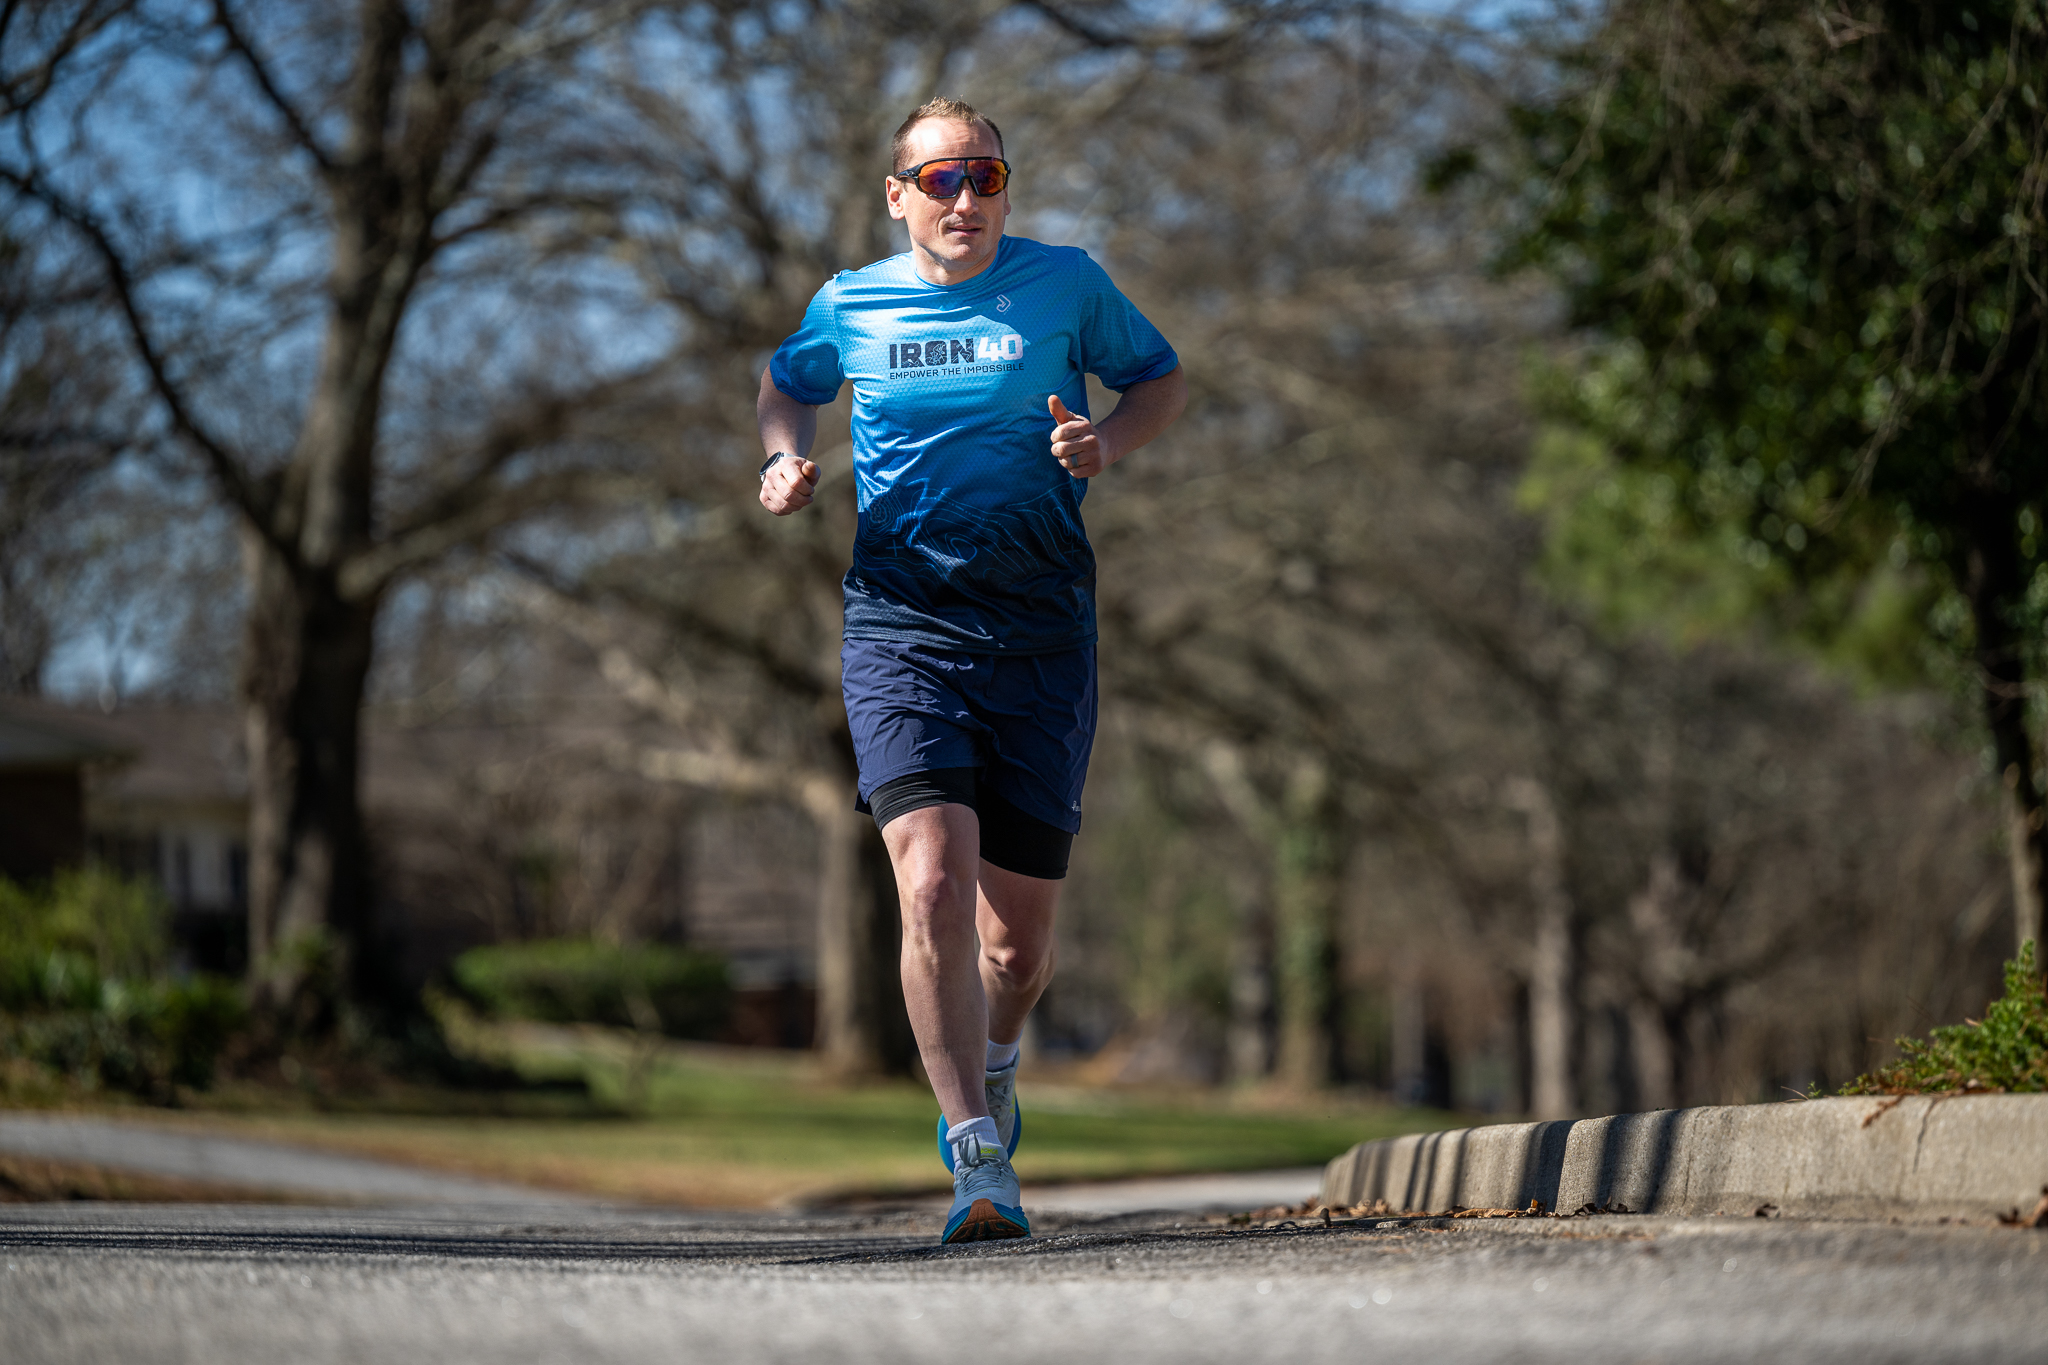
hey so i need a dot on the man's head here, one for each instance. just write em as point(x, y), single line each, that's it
point(952, 239)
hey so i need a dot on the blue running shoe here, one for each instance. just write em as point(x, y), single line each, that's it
point(986, 1204)
point(1001, 1089)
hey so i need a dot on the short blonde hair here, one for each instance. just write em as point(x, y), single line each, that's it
point(939, 106)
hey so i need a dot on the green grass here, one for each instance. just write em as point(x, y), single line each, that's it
point(730, 1128)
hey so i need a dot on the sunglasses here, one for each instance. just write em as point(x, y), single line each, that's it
point(942, 179)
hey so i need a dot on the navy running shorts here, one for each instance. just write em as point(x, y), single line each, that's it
point(1026, 721)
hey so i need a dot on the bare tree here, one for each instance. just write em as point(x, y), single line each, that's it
point(389, 167)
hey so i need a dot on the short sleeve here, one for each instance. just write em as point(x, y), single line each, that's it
point(1119, 345)
point(806, 366)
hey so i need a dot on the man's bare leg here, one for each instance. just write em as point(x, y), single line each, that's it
point(937, 852)
point(960, 998)
point(1016, 916)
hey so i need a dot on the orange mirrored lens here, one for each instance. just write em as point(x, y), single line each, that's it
point(942, 179)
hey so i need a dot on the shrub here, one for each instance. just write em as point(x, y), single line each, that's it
point(2006, 1050)
point(84, 990)
point(684, 992)
point(195, 1019)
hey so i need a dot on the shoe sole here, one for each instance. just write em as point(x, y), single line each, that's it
point(946, 1148)
point(984, 1222)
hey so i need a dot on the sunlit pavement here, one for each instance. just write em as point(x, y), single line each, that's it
point(269, 1283)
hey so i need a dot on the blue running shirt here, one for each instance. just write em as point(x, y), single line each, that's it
point(970, 532)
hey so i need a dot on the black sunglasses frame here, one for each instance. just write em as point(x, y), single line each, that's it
point(909, 176)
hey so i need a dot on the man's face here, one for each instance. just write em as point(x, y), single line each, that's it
point(954, 240)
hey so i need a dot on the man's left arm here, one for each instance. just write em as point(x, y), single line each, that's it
point(1084, 448)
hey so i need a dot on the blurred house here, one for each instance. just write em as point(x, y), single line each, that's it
point(536, 826)
point(47, 753)
point(179, 812)
point(480, 831)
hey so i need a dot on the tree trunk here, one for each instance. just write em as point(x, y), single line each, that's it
point(1650, 1046)
point(1408, 1031)
point(1250, 1041)
point(2024, 852)
point(306, 657)
point(1550, 1015)
point(863, 1026)
point(1305, 915)
point(846, 1041)
point(1551, 1092)
point(306, 652)
point(1993, 580)
point(881, 984)
point(1656, 1017)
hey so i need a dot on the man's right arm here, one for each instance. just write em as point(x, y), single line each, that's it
point(789, 426)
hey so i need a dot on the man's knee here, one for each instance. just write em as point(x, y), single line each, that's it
point(936, 899)
point(932, 847)
point(1021, 964)
point(1018, 926)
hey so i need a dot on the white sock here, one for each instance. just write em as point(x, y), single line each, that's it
point(983, 1128)
point(1001, 1055)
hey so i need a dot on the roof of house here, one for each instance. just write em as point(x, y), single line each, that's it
point(185, 754)
point(40, 734)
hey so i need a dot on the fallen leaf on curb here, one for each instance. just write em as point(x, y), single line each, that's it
point(2037, 1219)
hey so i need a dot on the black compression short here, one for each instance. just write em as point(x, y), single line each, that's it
point(1010, 839)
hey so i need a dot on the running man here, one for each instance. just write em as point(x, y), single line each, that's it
point(969, 660)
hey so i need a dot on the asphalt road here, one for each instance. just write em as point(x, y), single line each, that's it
point(504, 1285)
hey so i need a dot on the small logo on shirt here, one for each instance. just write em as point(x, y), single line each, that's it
point(1002, 303)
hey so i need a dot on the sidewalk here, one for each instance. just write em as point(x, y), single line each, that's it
point(270, 1167)
point(284, 1170)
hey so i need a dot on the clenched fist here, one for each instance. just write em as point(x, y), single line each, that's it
point(1076, 444)
point(788, 485)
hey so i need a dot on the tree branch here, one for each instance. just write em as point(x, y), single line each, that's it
point(1078, 28)
point(513, 211)
point(505, 441)
point(800, 682)
point(227, 469)
point(370, 571)
point(718, 764)
point(546, 420)
point(17, 94)
point(259, 71)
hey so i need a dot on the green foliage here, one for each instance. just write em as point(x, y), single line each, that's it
point(57, 942)
point(1620, 545)
point(2006, 1050)
point(1807, 258)
point(84, 990)
point(684, 992)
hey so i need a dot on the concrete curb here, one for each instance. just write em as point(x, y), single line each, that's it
point(1920, 1158)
